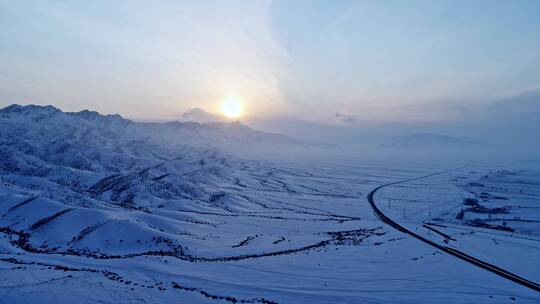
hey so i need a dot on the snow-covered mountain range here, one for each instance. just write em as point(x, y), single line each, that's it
point(100, 209)
point(86, 134)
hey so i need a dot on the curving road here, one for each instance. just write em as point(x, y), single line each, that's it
point(459, 254)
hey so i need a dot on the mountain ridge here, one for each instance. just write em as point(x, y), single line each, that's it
point(225, 133)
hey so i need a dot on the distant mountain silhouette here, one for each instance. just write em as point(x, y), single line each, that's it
point(431, 141)
point(200, 115)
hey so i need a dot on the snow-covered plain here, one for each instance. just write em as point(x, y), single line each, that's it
point(99, 209)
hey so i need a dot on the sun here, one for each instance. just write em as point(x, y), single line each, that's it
point(232, 107)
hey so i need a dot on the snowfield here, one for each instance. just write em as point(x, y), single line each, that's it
point(99, 209)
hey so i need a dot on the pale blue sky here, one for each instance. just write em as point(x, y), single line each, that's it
point(371, 60)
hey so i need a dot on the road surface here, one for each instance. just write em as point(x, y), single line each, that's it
point(457, 253)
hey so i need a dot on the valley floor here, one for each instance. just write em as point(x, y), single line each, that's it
point(272, 233)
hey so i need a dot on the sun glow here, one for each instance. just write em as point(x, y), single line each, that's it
point(232, 107)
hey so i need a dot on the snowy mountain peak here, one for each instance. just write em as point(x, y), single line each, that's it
point(16, 109)
point(96, 116)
